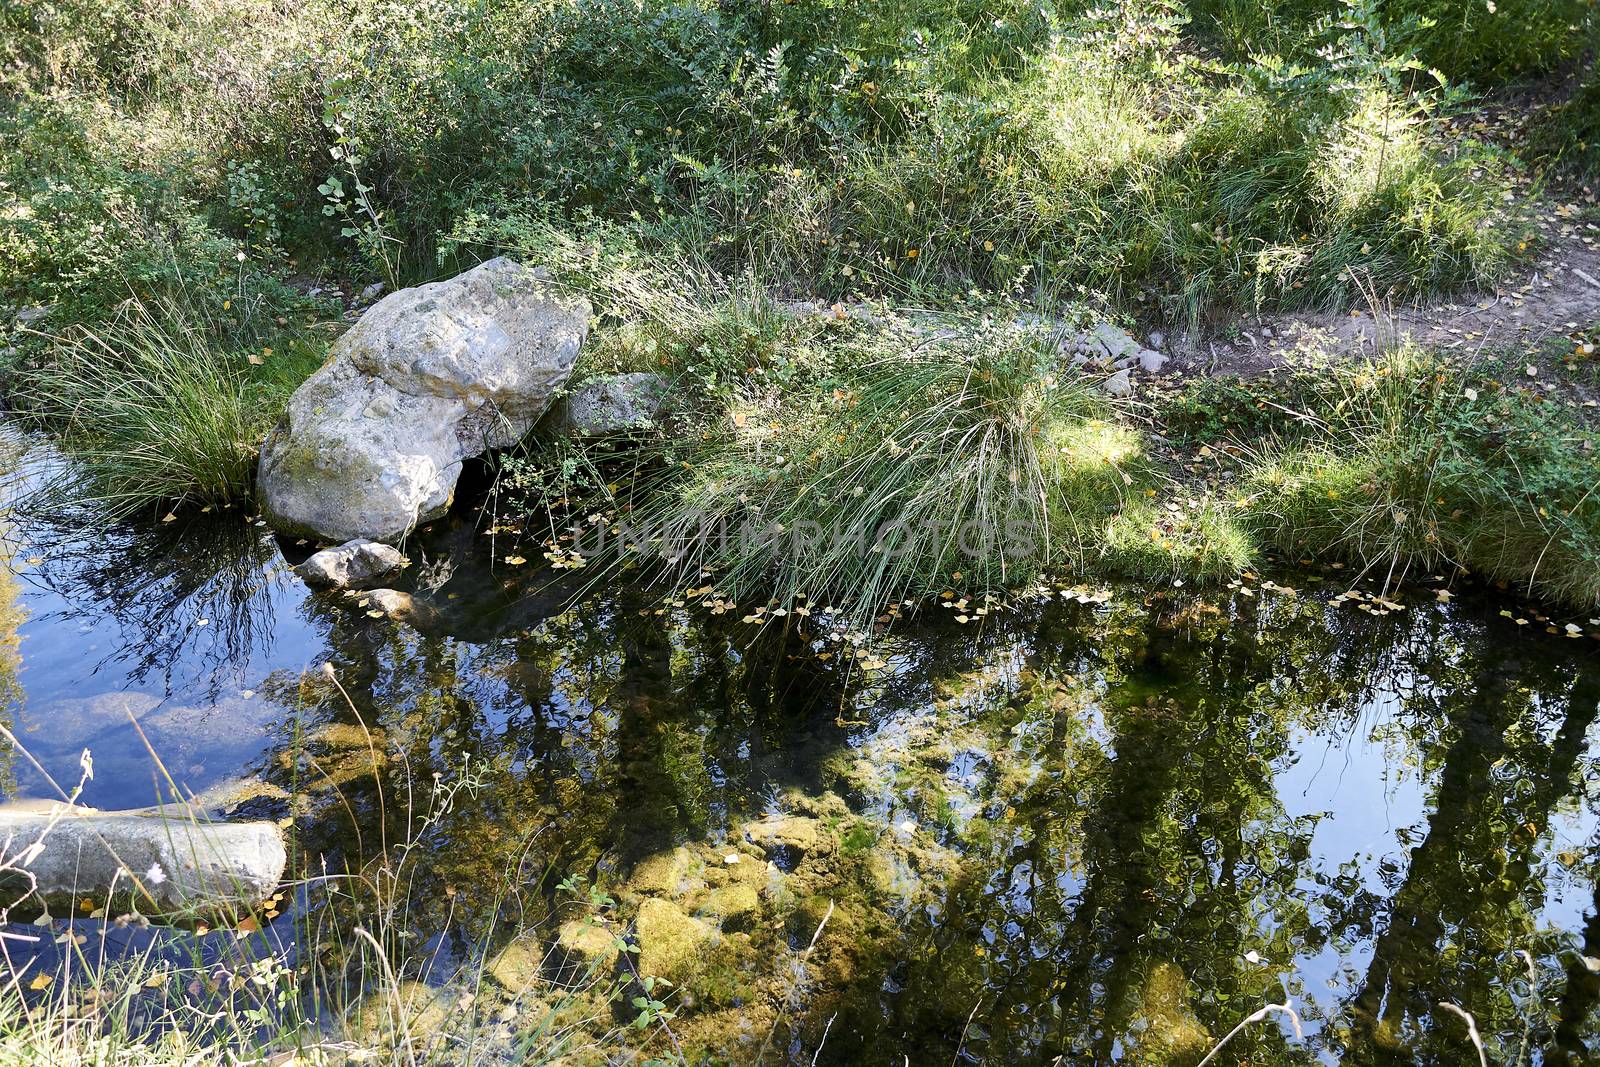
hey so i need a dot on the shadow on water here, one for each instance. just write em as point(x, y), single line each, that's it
point(1105, 831)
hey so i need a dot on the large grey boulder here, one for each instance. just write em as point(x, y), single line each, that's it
point(612, 403)
point(358, 564)
point(162, 863)
point(373, 442)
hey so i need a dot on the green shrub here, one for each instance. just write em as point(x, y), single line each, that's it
point(1566, 136)
point(87, 229)
point(1487, 43)
point(1472, 40)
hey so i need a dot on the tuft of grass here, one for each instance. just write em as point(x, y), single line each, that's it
point(1411, 464)
point(942, 463)
point(149, 411)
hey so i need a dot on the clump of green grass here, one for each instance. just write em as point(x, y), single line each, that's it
point(148, 410)
point(943, 463)
point(1251, 196)
point(1410, 464)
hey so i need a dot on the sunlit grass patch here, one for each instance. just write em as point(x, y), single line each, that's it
point(1203, 543)
point(1412, 464)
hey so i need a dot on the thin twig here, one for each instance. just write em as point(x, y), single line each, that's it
point(1472, 1029)
point(1287, 1008)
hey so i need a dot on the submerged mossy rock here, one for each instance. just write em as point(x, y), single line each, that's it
point(585, 946)
point(1168, 1034)
point(373, 442)
point(410, 1013)
point(671, 942)
point(519, 966)
point(786, 839)
point(665, 874)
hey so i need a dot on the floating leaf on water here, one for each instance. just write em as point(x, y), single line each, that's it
point(40, 981)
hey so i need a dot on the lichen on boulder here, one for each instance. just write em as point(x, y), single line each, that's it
point(611, 404)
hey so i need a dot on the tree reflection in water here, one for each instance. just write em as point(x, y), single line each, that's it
point(1125, 877)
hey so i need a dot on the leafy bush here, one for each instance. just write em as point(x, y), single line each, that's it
point(884, 148)
point(1566, 136)
point(87, 229)
point(1484, 43)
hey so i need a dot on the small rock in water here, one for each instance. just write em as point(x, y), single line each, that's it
point(81, 852)
point(355, 564)
point(392, 602)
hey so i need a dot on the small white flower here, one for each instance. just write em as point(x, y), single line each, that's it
point(155, 875)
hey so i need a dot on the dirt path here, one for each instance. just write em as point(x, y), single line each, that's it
point(1560, 298)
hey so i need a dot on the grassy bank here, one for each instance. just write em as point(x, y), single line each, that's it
point(176, 180)
point(1174, 158)
point(864, 458)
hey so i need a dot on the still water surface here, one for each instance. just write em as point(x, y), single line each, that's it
point(1103, 830)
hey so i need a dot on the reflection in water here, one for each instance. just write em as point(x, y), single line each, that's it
point(1101, 831)
point(12, 615)
point(189, 597)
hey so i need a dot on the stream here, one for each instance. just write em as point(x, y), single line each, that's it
point(1102, 824)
